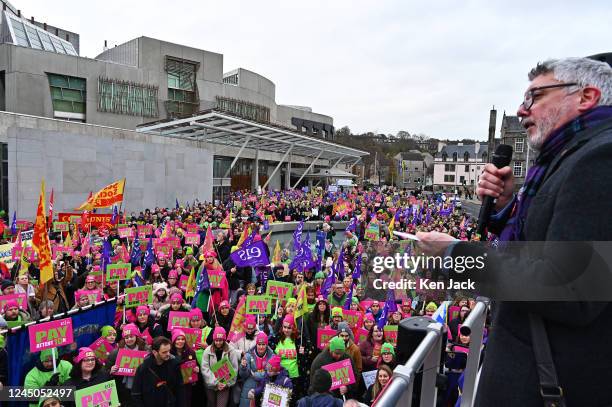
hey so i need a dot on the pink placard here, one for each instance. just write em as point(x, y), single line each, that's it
point(102, 348)
point(188, 371)
point(361, 335)
point(21, 299)
point(128, 361)
point(192, 335)
point(126, 233)
point(50, 334)
point(365, 304)
point(192, 239)
point(341, 373)
point(215, 277)
point(453, 312)
point(183, 280)
point(178, 319)
point(94, 295)
point(192, 228)
point(324, 335)
point(354, 318)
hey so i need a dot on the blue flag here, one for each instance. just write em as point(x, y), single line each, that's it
point(320, 244)
point(357, 270)
point(14, 223)
point(149, 257)
point(177, 204)
point(202, 284)
point(349, 298)
point(136, 254)
point(106, 255)
point(115, 214)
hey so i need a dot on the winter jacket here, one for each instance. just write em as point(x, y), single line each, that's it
point(209, 358)
point(244, 345)
point(325, 358)
point(39, 376)
point(367, 349)
point(148, 390)
point(287, 350)
point(320, 400)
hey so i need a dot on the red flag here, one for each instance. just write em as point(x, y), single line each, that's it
point(51, 209)
point(84, 220)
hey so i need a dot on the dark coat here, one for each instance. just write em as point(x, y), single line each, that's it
point(325, 358)
point(572, 204)
point(147, 390)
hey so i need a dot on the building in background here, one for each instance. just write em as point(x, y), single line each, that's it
point(513, 134)
point(151, 92)
point(411, 169)
point(457, 166)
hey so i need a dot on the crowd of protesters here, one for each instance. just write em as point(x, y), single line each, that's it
point(279, 348)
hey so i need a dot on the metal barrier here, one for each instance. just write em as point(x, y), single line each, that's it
point(426, 358)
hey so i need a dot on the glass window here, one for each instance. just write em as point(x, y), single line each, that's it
point(518, 169)
point(518, 145)
point(46, 41)
point(20, 34)
point(68, 95)
point(127, 98)
point(467, 168)
point(33, 36)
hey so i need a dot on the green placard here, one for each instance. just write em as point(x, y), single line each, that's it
point(118, 272)
point(136, 296)
point(99, 395)
point(223, 370)
point(276, 289)
point(60, 226)
point(259, 304)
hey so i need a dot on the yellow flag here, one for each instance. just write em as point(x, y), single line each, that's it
point(276, 257)
point(300, 308)
point(243, 237)
point(392, 226)
point(68, 241)
point(40, 239)
point(25, 263)
point(104, 198)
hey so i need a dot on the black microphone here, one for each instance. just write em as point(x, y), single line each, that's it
point(501, 158)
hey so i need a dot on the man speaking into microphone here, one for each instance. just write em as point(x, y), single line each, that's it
point(567, 113)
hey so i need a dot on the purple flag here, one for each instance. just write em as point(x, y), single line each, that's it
point(390, 306)
point(349, 298)
point(297, 236)
point(352, 225)
point(252, 255)
point(357, 271)
point(340, 265)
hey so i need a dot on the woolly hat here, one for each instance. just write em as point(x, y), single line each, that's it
point(176, 297)
point(321, 381)
point(387, 348)
point(210, 253)
point(274, 363)
point(159, 286)
point(261, 338)
point(195, 314)
point(337, 312)
point(176, 333)
point(337, 344)
point(189, 251)
point(291, 301)
point(84, 353)
point(161, 256)
point(107, 330)
point(320, 298)
point(10, 304)
point(179, 263)
point(369, 316)
point(90, 279)
point(142, 309)
point(431, 307)
point(224, 304)
point(219, 333)
point(250, 322)
point(289, 320)
point(47, 353)
point(130, 329)
point(172, 274)
point(155, 268)
point(344, 327)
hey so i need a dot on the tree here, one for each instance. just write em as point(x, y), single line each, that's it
point(403, 135)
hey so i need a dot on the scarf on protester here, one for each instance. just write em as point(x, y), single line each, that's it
point(552, 147)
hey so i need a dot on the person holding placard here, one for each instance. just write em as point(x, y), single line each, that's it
point(131, 340)
point(247, 342)
point(42, 374)
point(274, 374)
point(383, 375)
point(318, 318)
point(335, 352)
point(86, 371)
point(183, 353)
point(147, 327)
point(318, 393)
point(253, 367)
point(218, 385)
point(370, 348)
point(55, 289)
point(224, 316)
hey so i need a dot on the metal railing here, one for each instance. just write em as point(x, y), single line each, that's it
point(426, 359)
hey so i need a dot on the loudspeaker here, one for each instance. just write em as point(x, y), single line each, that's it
point(411, 332)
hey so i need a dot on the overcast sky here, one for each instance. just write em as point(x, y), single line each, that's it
point(433, 67)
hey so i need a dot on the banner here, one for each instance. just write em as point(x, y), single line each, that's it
point(192, 228)
point(258, 304)
point(86, 326)
point(373, 231)
point(178, 319)
point(118, 272)
point(341, 373)
point(192, 335)
point(126, 233)
point(21, 299)
point(390, 333)
point(51, 334)
point(369, 378)
point(275, 396)
point(144, 231)
point(215, 277)
point(135, 296)
point(192, 239)
point(6, 254)
point(96, 220)
point(223, 370)
point(107, 196)
point(128, 361)
point(237, 330)
point(93, 295)
point(324, 335)
point(188, 371)
point(279, 289)
point(183, 280)
point(252, 255)
point(102, 348)
point(99, 395)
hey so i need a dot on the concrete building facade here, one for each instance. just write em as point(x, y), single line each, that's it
point(513, 134)
point(458, 165)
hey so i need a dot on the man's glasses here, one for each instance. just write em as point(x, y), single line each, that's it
point(530, 94)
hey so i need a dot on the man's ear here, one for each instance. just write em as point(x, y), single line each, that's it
point(589, 98)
